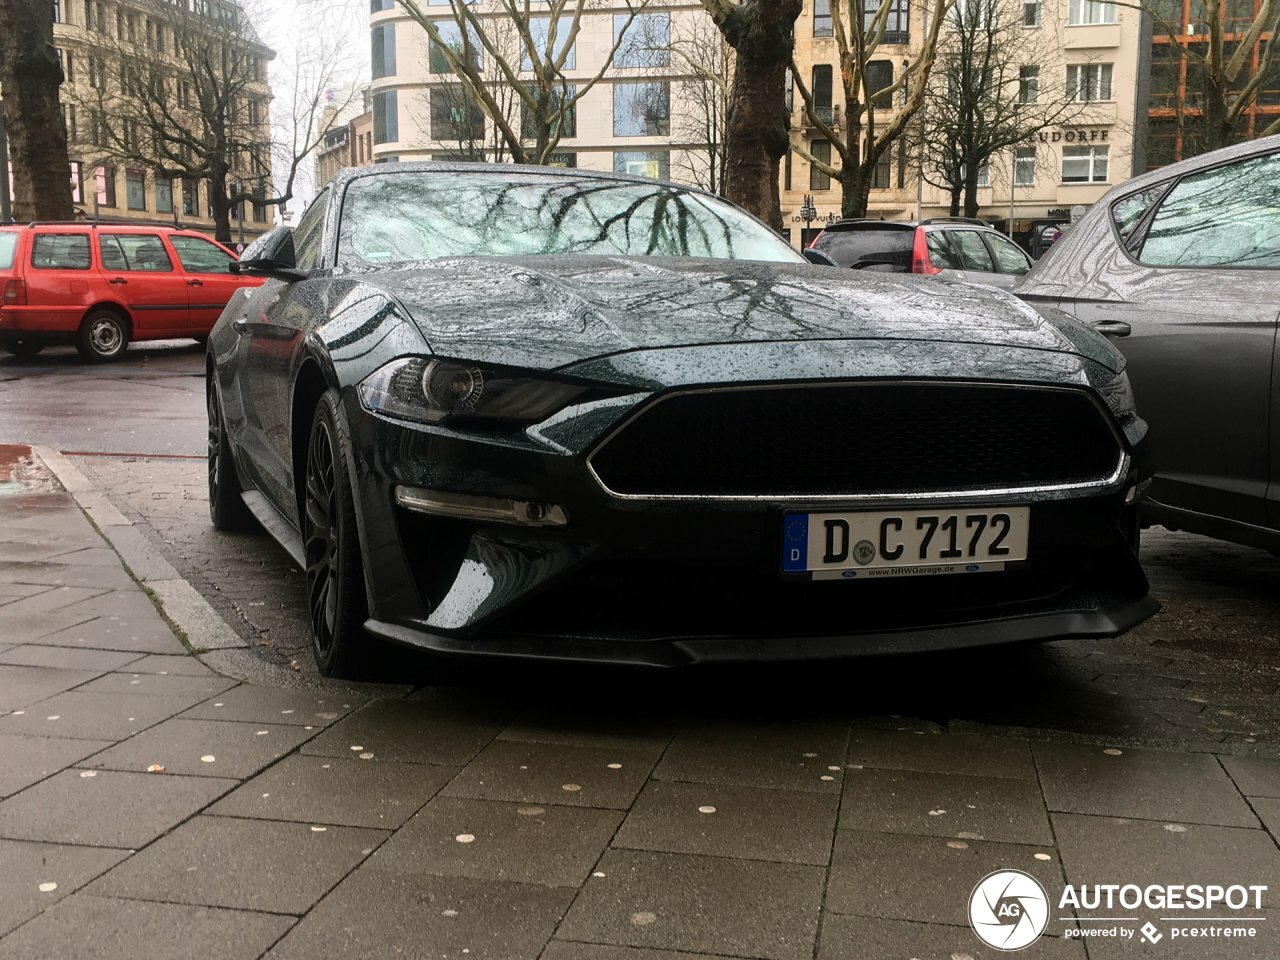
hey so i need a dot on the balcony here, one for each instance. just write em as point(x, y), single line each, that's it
point(830, 115)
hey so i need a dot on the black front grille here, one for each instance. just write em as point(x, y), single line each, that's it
point(859, 438)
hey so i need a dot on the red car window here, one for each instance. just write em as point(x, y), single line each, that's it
point(200, 256)
point(60, 251)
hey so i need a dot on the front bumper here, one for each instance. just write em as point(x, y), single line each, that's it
point(667, 583)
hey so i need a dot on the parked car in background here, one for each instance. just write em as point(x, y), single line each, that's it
point(101, 285)
point(948, 247)
point(549, 413)
point(1181, 267)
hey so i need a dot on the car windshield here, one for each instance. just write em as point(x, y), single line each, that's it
point(400, 217)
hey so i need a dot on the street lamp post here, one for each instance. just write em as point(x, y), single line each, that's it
point(808, 213)
point(5, 213)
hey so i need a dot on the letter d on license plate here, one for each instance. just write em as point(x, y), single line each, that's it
point(904, 543)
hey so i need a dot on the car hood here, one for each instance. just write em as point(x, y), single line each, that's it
point(552, 312)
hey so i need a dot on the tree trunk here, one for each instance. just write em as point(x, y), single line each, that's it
point(757, 134)
point(855, 182)
point(30, 77)
point(220, 206)
point(971, 197)
point(956, 190)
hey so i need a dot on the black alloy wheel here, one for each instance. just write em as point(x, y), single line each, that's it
point(335, 575)
point(227, 509)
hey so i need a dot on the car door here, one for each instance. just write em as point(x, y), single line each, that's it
point(1010, 261)
point(209, 280)
point(1193, 285)
point(975, 258)
point(269, 339)
point(138, 268)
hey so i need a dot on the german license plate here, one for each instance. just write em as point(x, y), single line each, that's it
point(904, 543)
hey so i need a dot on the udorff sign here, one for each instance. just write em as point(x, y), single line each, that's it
point(1078, 135)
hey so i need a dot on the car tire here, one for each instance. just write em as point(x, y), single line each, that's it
point(227, 508)
point(21, 348)
point(103, 336)
point(336, 598)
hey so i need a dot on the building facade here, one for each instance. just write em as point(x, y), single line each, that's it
point(1084, 50)
point(349, 140)
point(94, 38)
point(633, 120)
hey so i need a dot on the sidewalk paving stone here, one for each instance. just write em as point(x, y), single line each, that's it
point(184, 747)
point(183, 665)
point(68, 658)
point(652, 731)
point(750, 823)
point(107, 809)
point(942, 753)
point(250, 703)
point(375, 914)
point(867, 938)
point(98, 928)
point(148, 637)
point(788, 756)
point(1254, 776)
point(244, 864)
point(28, 760)
point(525, 772)
point(358, 793)
point(94, 716)
point(700, 905)
point(924, 879)
point(11, 592)
point(22, 686)
point(1142, 784)
point(944, 805)
point(411, 732)
point(552, 845)
point(57, 576)
point(570, 950)
point(155, 684)
point(27, 866)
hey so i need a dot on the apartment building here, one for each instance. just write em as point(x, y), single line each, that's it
point(100, 107)
point(349, 141)
point(635, 120)
point(1086, 51)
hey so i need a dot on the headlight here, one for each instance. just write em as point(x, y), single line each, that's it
point(1119, 396)
point(435, 391)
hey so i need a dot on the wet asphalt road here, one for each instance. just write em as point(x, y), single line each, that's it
point(1204, 671)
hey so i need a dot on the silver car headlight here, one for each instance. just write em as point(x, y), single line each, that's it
point(1119, 396)
point(435, 391)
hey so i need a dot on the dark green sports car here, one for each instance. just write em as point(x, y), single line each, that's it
point(557, 414)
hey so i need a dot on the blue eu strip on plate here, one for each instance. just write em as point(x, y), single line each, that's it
point(795, 543)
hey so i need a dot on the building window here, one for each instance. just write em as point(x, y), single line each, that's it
point(384, 50)
point(564, 122)
point(896, 26)
point(164, 194)
point(1082, 13)
point(135, 189)
point(539, 30)
point(786, 170)
point(655, 164)
point(1032, 13)
point(259, 209)
point(820, 91)
point(377, 6)
point(880, 77)
point(882, 174)
point(822, 18)
point(69, 119)
point(386, 119)
point(1084, 164)
point(1089, 82)
point(819, 150)
point(642, 109)
point(451, 37)
point(647, 42)
point(984, 174)
point(453, 115)
point(104, 186)
point(57, 11)
point(1028, 84)
point(190, 197)
point(563, 160)
point(1024, 167)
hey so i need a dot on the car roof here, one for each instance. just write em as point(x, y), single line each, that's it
point(868, 223)
point(1212, 159)
point(77, 226)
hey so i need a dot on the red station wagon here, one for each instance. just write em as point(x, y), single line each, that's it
point(102, 285)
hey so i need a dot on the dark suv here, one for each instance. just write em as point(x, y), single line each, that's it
point(950, 246)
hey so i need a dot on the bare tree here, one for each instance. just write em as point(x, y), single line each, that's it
point(860, 33)
point(987, 95)
point(1217, 59)
point(185, 94)
point(762, 35)
point(548, 33)
point(701, 57)
point(30, 76)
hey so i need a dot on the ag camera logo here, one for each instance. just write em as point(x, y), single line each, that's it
point(1008, 910)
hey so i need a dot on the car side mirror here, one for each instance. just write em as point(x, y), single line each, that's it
point(818, 257)
point(271, 255)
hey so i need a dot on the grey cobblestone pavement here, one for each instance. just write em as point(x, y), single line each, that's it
point(152, 808)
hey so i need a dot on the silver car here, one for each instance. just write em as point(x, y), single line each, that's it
point(1181, 267)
